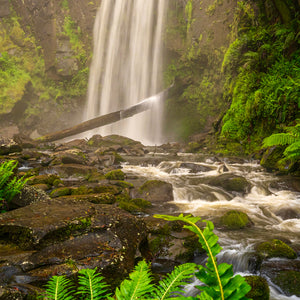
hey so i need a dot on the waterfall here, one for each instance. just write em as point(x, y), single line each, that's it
point(127, 65)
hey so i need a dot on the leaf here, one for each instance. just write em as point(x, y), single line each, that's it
point(171, 285)
point(139, 285)
point(59, 288)
point(91, 286)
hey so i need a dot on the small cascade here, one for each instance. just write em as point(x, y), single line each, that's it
point(126, 65)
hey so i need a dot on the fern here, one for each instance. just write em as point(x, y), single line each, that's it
point(291, 138)
point(9, 184)
point(91, 286)
point(172, 285)
point(218, 279)
point(59, 288)
point(139, 284)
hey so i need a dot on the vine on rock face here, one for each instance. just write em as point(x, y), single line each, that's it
point(218, 279)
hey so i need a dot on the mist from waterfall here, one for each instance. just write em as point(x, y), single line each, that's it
point(127, 65)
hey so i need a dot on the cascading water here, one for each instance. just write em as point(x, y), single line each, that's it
point(265, 203)
point(126, 65)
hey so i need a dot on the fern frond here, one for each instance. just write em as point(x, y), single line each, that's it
point(138, 286)
point(279, 139)
point(59, 288)
point(218, 280)
point(293, 151)
point(91, 286)
point(171, 285)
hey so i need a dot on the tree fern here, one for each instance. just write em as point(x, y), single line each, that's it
point(172, 285)
point(218, 279)
point(139, 284)
point(91, 285)
point(59, 288)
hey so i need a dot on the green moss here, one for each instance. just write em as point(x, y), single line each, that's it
point(104, 198)
point(259, 288)
point(82, 190)
point(129, 206)
point(235, 220)
point(112, 189)
point(63, 191)
point(288, 281)
point(151, 184)
point(142, 203)
point(276, 248)
point(115, 175)
point(118, 158)
point(124, 184)
point(46, 179)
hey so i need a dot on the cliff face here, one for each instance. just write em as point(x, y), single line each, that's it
point(45, 48)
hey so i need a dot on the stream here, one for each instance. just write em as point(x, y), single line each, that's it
point(271, 203)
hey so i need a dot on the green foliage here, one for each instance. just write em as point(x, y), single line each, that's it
point(218, 278)
point(59, 288)
point(290, 138)
point(91, 285)
point(138, 285)
point(172, 285)
point(263, 74)
point(189, 13)
point(10, 185)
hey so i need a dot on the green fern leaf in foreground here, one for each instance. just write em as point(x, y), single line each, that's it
point(139, 285)
point(59, 288)
point(172, 285)
point(91, 286)
point(218, 279)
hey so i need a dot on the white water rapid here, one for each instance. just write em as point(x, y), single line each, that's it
point(270, 202)
point(126, 65)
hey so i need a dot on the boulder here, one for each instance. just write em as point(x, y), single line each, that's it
point(275, 248)
point(50, 233)
point(231, 183)
point(195, 168)
point(259, 288)
point(284, 273)
point(28, 195)
point(235, 220)
point(8, 146)
point(155, 191)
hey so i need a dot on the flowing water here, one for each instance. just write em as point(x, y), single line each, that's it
point(126, 65)
point(264, 203)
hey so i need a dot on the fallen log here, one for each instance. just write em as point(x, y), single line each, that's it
point(106, 119)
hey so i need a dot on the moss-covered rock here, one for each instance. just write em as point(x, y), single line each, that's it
point(259, 288)
point(82, 190)
point(63, 191)
point(275, 248)
point(235, 220)
point(124, 184)
point(231, 183)
point(288, 281)
point(134, 205)
point(115, 175)
point(49, 179)
point(155, 191)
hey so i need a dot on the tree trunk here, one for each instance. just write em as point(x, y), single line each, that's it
point(106, 119)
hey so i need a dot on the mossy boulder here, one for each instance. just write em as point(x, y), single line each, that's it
point(231, 183)
point(275, 248)
point(124, 184)
point(115, 175)
point(271, 158)
point(49, 179)
point(62, 191)
point(259, 288)
point(155, 191)
point(134, 205)
point(235, 220)
point(288, 281)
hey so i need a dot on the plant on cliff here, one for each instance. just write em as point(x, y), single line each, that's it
point(10, 185)
point(218, 279)
point(291, 138)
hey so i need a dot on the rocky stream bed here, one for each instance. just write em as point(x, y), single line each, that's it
point(89, 203)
